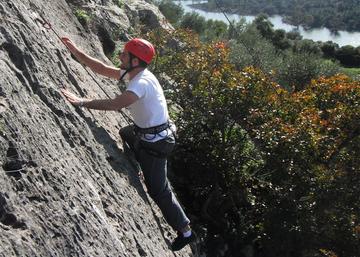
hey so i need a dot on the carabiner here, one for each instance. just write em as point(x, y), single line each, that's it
point(42, 21)
point(47, 25)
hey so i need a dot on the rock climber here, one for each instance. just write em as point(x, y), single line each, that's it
point(152, 136)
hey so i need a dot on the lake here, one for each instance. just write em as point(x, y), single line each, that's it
point(323, 34)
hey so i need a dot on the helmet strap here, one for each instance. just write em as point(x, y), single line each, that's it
point(122, 76)
point(131, 66)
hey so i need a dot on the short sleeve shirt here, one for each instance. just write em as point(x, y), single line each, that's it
point(151, 108)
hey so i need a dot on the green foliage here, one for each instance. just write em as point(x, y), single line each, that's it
point(214, 30)
point(354, 73)
point(193, 21)
point(82, 16)
point(259, 163)
point(348, 56)
point(280, 39)
point(251, 49)
point(172, 11)
point(1, 127)
point(209, 30)
point(119, 3)
point(251, 38)
point(329, 48)
point(264, 26)
point(297, 69)
point(294, 35)
point(306, 46)
point(335, 15)
point(291, 69)
point(327, 68)
point(115, 55)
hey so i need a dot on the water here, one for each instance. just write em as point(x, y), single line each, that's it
point(321, 34)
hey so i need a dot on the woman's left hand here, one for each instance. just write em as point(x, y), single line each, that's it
point(72, 98)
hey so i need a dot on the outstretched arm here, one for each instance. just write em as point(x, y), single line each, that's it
point(115, 104)
point(94, 64)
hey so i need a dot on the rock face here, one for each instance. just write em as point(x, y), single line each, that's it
point(66, 187)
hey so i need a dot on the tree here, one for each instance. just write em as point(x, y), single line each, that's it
point(214, 30)
point(279, 39)
point(172, 11)
point(250, 48)
point(264, 26)
point(294, 35)
point(259, 163)
point(329, 49)
point(193, 21)
point(348, 56)
point(307, 46)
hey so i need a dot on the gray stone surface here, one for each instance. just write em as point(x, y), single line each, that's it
point(66, 187)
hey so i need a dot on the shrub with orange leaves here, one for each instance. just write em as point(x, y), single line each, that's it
point(261, 164)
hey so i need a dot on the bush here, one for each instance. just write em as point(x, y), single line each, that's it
point(214, 30)
point(297, 70)
point(348, 56)
point(193, 21)
point(82, 17)
point(292, 70)
point(172, 11)
point(259, 165)
point(250, 48)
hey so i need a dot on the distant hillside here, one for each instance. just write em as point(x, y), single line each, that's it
point(333, 14)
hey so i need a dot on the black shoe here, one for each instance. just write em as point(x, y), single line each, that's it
point(181, 241)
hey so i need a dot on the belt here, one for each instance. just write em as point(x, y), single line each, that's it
point(152, 130)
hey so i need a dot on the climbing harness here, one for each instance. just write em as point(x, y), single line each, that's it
point(47, 26)
point(152, 130)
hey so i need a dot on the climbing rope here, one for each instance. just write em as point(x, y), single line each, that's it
point(250, 51)
point(47, 26)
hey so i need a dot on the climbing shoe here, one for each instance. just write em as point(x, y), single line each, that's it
point(181, 241)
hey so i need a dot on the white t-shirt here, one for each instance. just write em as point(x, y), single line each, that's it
point(151, 108)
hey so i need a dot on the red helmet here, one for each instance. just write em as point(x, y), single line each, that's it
point(141, 48)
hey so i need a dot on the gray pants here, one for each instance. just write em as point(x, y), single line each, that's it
point(152, 158)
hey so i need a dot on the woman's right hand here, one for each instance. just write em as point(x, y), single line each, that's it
point(70, 45)
point(72, 98)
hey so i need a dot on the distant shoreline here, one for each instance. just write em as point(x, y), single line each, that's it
point(286, 19)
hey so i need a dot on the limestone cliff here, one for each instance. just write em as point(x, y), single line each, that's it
point(66, 187)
